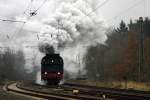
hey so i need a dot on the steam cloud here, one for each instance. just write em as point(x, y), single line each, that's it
point(70, 30)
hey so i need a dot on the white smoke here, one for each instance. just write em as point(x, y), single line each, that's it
point(70, 26)
point(70, 30)
point(38, 79)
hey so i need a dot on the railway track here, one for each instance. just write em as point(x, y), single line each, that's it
point(14, 87)
point(117, 94)
point(85, 92)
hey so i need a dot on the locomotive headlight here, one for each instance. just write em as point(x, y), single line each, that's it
point(45, 73)
point(58, 73)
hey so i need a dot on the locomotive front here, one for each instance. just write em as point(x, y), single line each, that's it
point(52, 68)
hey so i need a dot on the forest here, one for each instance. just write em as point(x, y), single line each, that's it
point(12, 66)
point(120, 57)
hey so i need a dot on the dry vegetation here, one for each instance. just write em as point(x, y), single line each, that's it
point(115, 84)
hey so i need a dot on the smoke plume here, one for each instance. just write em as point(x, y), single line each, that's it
point(46, 48)
point(67, 27)
point(70, 30)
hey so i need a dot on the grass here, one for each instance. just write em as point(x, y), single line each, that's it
point(115, 84)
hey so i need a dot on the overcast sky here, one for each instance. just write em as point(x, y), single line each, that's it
point(110, 11)
point(113, 11)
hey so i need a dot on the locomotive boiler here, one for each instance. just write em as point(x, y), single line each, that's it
point(52, 68)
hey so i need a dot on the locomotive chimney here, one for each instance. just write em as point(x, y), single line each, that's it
point(49, 54)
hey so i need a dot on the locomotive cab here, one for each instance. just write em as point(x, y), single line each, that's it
point(52, 68)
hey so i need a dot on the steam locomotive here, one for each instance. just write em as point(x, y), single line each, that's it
point(52, 68)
